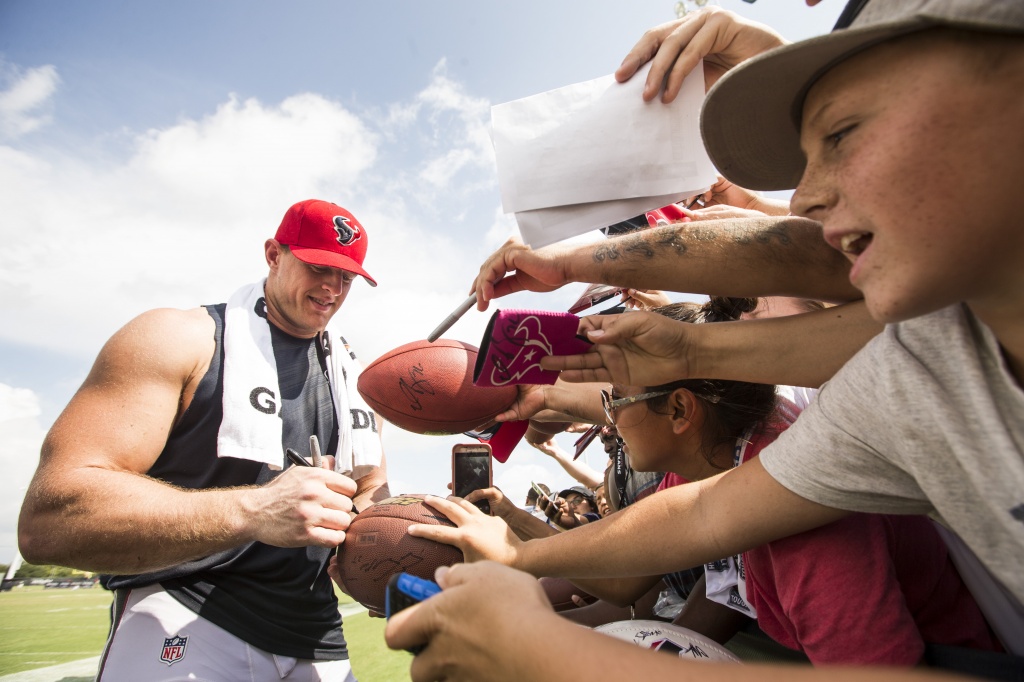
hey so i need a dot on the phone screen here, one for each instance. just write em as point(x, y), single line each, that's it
point(471, 469)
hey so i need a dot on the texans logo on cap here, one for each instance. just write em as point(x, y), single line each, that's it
point(346, 233)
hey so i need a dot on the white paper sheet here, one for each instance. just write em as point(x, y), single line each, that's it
point(591, 154)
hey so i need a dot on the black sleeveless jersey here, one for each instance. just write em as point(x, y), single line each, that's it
point(279, 600)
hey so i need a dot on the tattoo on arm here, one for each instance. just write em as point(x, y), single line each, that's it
point(679, 238)
point(606, 252)
point(638, 245)
point(670, 239)
point(779, 231)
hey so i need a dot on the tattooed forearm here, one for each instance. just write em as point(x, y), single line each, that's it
point(606, 252)
point(670, 238)
point(779, 231)
point(638, 246)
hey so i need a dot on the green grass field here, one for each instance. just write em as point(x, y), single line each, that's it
point(43, 627)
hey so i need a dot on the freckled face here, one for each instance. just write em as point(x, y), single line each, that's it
point(302, 298)
point(913, 167)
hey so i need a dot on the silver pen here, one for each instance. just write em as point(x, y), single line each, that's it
point(314, 450)
point(453, 318)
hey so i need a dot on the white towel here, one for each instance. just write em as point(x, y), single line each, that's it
point(251, 427)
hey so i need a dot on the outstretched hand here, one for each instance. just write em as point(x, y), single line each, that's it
point(631, 349)
point(500, 505)
point(480, 604)
point(478, 535)
point(516, 267)
point(719, 37)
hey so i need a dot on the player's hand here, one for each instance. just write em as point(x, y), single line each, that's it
point(335, 573)
point(516, 267)
point(631, 349)
point(719, 37)
point(480, 604)
point(301, 507)
point(478, 535)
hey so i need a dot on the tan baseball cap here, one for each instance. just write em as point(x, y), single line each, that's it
point(751, 117)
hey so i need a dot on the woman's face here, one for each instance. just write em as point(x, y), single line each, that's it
point(646, 434)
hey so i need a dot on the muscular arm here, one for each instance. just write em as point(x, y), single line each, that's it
point(783, 256)
point(91, 505)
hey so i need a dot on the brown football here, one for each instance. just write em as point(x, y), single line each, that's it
point(428, 388)
point(376, 547)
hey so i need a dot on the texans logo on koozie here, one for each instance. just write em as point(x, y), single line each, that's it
point(173, 649)
point(347, 233)
point(516, 340)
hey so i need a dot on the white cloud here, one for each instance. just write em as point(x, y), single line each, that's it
point(182, 220)
point(25, 101)
point(20, 439)
point(181, 217)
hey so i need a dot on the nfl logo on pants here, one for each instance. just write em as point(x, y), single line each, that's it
point(174, 649)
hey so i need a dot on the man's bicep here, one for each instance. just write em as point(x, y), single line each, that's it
point(122, 414)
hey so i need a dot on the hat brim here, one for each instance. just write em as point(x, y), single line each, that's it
point(750, 121)
point(330, 259)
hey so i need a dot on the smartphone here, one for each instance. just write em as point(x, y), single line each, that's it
point(537, 489)
point(586, 439)
point(403, 591)
point(471, 470)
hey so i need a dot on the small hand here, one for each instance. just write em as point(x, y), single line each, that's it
point(500, 505)
point(480, 604)
point(719, 37)
point(478, 535)
point(633, 349)
point(540, 271)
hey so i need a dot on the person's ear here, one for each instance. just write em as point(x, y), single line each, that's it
point(273, 252)
point(684, 408)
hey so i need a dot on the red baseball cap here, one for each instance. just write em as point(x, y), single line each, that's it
point(322, 233)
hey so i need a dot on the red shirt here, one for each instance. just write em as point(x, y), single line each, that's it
point(867, 589)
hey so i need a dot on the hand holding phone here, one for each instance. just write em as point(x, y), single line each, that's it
point(403, 591)
point(471, 470)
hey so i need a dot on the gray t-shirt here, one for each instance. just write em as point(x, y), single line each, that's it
point(926, 419)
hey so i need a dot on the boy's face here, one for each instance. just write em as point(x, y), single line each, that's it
point(914, 159)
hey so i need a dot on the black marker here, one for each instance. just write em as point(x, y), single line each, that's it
point(295, 458)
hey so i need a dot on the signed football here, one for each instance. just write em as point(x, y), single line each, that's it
point(377, 546)
point(428, 388)
point(672, 639)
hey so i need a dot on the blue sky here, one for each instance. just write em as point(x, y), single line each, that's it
point(148, 148)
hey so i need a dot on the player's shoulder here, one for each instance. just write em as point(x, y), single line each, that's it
point(173, 324)
point(166, 335)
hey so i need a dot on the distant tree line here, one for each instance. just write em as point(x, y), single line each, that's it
point(33, 571)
